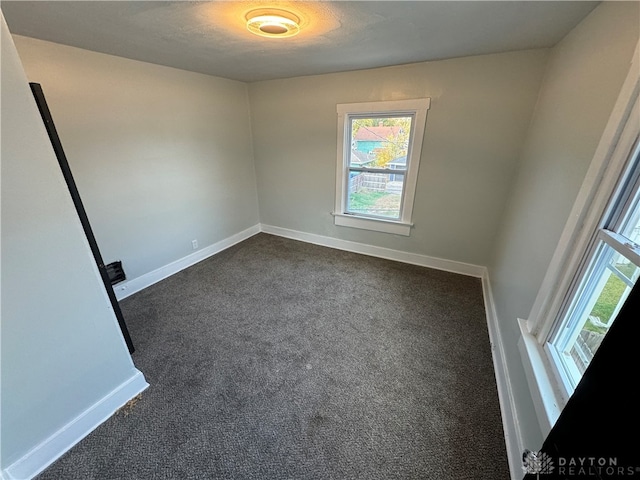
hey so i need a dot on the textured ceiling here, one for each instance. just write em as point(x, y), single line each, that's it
point(211, 38)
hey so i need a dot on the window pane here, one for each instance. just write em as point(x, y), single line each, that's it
point(595, 309)
point(380, 142)
point(631, 226)
point(375, 194)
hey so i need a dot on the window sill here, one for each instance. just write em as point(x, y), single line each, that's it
point(374, 224)
point(545, 391)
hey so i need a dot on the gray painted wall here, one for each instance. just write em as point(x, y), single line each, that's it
point(583, 79)
point(61, 349)
point(480, 110)
point(161, 156)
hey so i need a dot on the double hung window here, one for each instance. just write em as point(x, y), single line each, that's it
point(379, 149)
point(594, 267)
point(609, 270)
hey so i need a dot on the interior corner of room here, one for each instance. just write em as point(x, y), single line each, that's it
point(175, 166)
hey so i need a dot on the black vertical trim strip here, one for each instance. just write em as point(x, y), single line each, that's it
point(75, 195)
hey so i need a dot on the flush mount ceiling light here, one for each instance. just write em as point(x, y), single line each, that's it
point(273, 23)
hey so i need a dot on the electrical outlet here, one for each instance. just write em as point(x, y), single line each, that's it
point(194, 244)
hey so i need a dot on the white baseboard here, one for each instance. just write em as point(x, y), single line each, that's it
point(129, 287)
point(380, 252)
point(44, 454)
point(512, 432)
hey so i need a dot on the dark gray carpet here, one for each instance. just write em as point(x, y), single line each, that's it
point(277, 359)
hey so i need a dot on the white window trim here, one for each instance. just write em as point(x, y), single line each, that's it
point(418, 108)
point(548, 392)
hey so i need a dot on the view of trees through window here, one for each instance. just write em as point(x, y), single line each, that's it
point(378, 165)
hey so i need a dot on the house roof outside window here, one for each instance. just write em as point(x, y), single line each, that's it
point(377, 134)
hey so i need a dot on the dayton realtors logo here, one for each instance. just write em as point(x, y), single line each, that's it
point(602, 467)
point(537, 462)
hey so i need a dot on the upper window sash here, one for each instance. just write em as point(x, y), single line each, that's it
point(625, 214)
